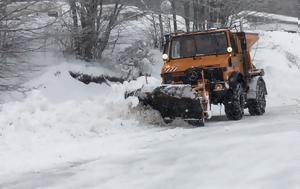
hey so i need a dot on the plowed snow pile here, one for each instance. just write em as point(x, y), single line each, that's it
point(279, 54)
point(91, 131)
point(60, 111)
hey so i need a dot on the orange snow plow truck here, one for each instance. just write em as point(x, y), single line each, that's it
point(205, 68)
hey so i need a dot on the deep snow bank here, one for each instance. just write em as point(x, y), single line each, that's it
point(279, 54)
point(58, 114)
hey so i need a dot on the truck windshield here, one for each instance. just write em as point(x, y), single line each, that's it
point(199, 45)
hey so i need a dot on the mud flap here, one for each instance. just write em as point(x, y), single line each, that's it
point(252, 92)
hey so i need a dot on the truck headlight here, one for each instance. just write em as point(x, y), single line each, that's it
point(219, 87)
point(165, 57)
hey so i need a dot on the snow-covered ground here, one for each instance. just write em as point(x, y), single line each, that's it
point(266, 21)
point(69, 135)
point(254, 153)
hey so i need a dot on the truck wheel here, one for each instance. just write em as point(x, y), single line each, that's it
point(235, 103)
point(258, 106)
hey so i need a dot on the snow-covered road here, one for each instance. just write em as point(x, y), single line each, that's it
point(257, 152)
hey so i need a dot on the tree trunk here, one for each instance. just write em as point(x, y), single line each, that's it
point(202, 13)
point(187, 15)
point(174, 15)
point(161, 26)
point(196, 12)
point(75, 27)
point(103, 42)
point(89, 31)
point(155, 32)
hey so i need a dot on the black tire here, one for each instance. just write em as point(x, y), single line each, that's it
point(235, 102)
point(197, 123)
point(257, 107)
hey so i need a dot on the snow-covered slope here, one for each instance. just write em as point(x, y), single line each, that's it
point(278, 53)
point(266, 21)
point(69, 135)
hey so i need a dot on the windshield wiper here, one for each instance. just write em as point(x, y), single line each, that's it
point(218, 45)
point(195, 47)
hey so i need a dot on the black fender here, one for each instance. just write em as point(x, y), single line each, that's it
point(236, 77)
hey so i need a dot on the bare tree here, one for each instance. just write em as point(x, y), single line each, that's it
point(157, 23)
point(93, 22)
point(20, 33)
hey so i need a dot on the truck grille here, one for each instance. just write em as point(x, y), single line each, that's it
point(213, 75)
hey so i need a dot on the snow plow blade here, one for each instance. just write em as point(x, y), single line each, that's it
point(172, 102)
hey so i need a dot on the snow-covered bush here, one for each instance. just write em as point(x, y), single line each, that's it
point(135, 60)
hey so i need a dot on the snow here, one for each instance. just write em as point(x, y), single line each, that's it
point(258, 152)
point(278, 54)
point(180, 91)
point(44, 119)
point(269, 16)
point(66, 134)
point(254, 20)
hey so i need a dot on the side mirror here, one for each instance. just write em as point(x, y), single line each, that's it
point(229, 49)
point(165, 57)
